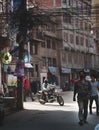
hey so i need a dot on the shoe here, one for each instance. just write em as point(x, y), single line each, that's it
point(90, 112)
point(86, 122)
point(81, 123)
point(32, 100)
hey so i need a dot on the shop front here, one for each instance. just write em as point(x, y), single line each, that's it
point(65, 77)
point(51, 74)
point(9, 87)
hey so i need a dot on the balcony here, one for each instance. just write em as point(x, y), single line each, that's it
point(50, 34)
point(37, 36)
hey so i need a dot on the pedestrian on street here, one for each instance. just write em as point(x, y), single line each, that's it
point(97, 127)
point(94, 95)
point(83, 90)
point(27, 88)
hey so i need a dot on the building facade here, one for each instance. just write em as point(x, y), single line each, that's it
point(68, 45)
point(61, 45)
point(95, 28)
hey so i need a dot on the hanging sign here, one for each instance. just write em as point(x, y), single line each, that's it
point(19, 70)
point(7, 58)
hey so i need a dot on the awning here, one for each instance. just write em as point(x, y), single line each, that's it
point(52, 70)
point(28, 65)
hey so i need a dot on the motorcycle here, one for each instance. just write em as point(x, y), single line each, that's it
point(50, 96)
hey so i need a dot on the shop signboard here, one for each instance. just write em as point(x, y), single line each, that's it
point(65, 70)
point(12, 80)
point(19, 69)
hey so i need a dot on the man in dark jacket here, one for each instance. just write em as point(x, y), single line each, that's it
point(83, 89)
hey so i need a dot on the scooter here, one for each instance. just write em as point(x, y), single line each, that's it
point(50, 96)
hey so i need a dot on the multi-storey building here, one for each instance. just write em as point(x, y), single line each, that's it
point(43, 47)
point(76, 35)
point(95, 28)
point(62, 44)
point(76, 46)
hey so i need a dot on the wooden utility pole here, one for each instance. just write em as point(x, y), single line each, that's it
point(21, 39)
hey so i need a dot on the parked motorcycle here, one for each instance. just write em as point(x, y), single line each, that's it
point(50, 96)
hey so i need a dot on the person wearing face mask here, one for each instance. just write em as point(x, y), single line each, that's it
point(83, 90)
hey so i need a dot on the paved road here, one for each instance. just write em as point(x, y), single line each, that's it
point(50, 116)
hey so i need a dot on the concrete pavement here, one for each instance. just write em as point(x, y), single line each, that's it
point(50, 116)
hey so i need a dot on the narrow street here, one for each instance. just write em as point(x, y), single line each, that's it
point(50, 116)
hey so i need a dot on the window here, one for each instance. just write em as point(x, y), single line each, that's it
point(34, 49)
point(82, 41)
point(54, 62)
point(44, 61)
point(77, 40)
point(70, 58)
point(67, 18)
point(81, 25)
point(65, 37)
point(48, 43)
point(36, 69)
point(71, 38)
point(49, 62)
point(53, 45)
point(31, 71)
point(64, 1)
point(86, 26)
point(86, 42)
point(43, 44)
point(76, 22)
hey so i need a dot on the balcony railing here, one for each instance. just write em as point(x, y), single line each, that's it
point(37, 36)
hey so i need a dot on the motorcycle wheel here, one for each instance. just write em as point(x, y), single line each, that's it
point(42, 101)
point(60, 100)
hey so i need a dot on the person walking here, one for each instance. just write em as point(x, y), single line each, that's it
point(83, 90)
point(27, 88)
point(96, 127)
point(94, 95)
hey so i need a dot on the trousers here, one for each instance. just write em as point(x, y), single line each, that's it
point(92, 98)
point(83, 109)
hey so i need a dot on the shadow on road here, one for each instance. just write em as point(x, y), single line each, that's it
point(47, 117)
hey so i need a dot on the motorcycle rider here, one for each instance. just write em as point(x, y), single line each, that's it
point(45, 89)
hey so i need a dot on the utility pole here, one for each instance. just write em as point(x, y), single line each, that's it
point(21, 39)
